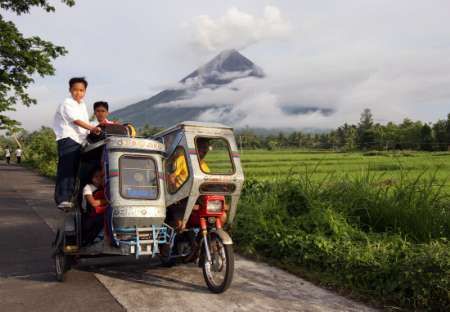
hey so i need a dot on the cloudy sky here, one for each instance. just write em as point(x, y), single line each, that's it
point(390, 56)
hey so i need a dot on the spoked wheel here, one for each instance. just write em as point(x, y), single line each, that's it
point(219, 273)
point(60, 266)
point(63, 262)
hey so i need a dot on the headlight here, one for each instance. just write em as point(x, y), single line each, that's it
point(214, 206)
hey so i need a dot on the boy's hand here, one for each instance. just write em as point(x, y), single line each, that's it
point(96, 130)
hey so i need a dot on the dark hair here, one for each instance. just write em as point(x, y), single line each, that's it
point(94, 171)
point(101, 104)
point(75, 80)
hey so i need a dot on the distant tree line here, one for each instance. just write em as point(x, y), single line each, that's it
point(366, 135)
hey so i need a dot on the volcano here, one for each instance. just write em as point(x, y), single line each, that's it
point(226, 67)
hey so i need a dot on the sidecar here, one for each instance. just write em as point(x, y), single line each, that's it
point(134, 188)
point(225, 175)
point(204, 179)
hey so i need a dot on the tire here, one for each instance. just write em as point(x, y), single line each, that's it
point(60, 266)
point(228, 254)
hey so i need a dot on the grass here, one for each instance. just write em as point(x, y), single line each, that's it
point(386, 242)
point(264, 165)
point(374, 223)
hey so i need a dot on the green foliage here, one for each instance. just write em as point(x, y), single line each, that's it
point(40, 151)
point(365, 136)
point(22, 58)
point(24, 6)
point(385, 241)
point(148, 131)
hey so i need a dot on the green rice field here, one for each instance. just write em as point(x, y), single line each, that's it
point(387, 166)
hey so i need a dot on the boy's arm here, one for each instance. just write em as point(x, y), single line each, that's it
point(73, 115)
point(95, 202)
point(85, 125)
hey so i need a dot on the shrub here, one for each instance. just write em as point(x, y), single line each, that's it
point(40, 151)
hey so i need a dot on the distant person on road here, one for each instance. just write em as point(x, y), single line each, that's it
point(18, 155)
point(71, 126)
point(8, 155)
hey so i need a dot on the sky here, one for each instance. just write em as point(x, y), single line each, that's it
point(390, 56)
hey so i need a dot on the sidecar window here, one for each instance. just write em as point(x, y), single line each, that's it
point(214, 155)
point(177, 170)
point(138, 177)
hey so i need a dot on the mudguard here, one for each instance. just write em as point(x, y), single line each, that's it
point(224, 236)
point(70, 223)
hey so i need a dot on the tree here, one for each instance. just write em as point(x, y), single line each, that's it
point(448, 131)
point(440, 134)
point(426, 138)
point(21, 58)
point(409, 134)
point(366, 135)
point(148, 131)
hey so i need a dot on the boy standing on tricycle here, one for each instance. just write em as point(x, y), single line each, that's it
point(71, 126)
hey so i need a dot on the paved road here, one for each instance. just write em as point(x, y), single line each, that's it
point(27, 222)
point(27, 281)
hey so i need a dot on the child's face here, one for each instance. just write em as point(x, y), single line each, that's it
point(97, 179)
point(78, 91)
point(101, 113)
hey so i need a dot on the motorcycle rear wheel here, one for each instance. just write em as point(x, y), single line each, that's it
point(60, 266)
point(222, 257)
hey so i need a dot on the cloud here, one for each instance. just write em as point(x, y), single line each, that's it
point(392, 57)
point(393, 86)
point(237, 29)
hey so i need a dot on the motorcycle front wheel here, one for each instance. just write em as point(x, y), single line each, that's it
point(218, 273)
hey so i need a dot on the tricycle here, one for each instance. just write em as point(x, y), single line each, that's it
point(171, 196)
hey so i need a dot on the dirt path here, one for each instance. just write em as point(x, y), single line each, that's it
point(27, 221)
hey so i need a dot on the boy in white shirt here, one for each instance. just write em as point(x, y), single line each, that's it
point(90, 199)
point(71, 126)
point(94, 205)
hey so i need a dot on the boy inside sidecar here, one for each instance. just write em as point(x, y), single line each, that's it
point(91, 195)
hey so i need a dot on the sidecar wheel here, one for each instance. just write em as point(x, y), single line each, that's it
point(60, 266)
point(218, 274)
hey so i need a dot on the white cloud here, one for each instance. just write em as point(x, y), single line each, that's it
point(390, 56)
point(394, 86)
point(237, 29)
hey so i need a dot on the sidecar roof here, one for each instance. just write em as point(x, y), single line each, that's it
point(193, 124)
point(119, 142)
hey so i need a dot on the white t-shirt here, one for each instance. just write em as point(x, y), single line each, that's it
point(18, 152)
point(67, 112)
point(7, 153)
point(89, 189)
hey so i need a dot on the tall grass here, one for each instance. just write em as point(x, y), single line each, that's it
point(380, 238)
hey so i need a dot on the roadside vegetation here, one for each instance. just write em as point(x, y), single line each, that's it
point(388, 242)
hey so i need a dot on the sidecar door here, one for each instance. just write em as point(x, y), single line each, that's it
point(177, 166)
